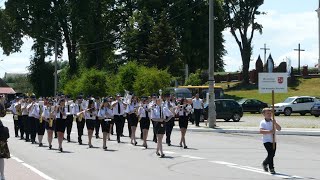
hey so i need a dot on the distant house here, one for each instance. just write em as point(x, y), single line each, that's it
point(18, 81)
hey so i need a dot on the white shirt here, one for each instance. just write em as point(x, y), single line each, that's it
point(69, 108)
point(197, 103)
point(35, 112)
point(46, 112)
point(115, 111)
point(76, 108)
point(13, 108)
point(58, 116)
point(184, 111)
point(90, 115)
point(131, 108)
point(143, 111)
point(24, 109)
point(165, 112)
point(267, 125)
point(104, 113)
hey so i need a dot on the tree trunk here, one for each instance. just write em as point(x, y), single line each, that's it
point(246, 55)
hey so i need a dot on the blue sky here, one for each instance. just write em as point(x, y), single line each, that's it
point(287, 23)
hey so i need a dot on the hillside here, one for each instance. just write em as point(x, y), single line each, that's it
point(303, 87)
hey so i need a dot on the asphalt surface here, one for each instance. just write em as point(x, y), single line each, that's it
point(210, 156)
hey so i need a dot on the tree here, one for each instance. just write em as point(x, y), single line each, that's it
point(150, 80)
point(163, 49)
point(241, 19)
point(126, 76)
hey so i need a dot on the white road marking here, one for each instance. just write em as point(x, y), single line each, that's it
point(41, 174)
point(168, 152)
point(256, 170)
point(192, 157)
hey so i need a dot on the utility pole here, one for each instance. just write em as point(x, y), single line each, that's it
point(299, 51)
point(318, 11)
point(212, 106)
point(55, 67)
point(265, 53)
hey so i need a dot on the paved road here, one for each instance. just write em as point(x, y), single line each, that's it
point(210, 156)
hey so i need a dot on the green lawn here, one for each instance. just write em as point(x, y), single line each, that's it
point(303, 87)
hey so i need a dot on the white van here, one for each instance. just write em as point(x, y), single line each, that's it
point(296, 104)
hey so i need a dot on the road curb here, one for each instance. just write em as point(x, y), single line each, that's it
point(249, 131)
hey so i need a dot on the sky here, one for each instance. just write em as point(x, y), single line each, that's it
point(286, 24)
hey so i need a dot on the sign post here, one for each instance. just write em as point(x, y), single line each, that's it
point(273, 83)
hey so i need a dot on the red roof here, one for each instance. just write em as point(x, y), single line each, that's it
point(6, 90)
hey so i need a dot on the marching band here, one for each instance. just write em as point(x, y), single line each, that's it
point(35, 116)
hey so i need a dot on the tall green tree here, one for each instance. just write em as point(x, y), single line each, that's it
point(241, 19)
point(163, 51)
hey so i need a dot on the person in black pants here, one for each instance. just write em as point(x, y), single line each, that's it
point(152, 104)
point(69, 121)
point(25, 118)
point(15, 116)
point(171, 105)
point(77, 108)
point(197, 105)
point(267, 129)
point(20, 120)
point(34, 114)
point(118, 108)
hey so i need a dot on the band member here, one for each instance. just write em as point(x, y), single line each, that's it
point(171, 105)
point(41, 123)
point(34, 114)
point(144, 114)
point(25, 117)
point(266, 128)
point(183, 111)
point(69, 121)
point(98, 122)
point(133, 119)
point(77, 108)
point(111, 123)
point(118, 109)
point(90, 116)
point(20, 119)
point(61, 117)
point(151, 105)
point(15, 116)
point(160, 115)
point(48, 116)
point(104, 115)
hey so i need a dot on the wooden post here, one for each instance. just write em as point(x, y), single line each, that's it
point(273, 125)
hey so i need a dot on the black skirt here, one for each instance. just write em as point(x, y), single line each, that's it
point(50, 126)
point(105, 126)
point(60, 125)
point(183, 122)
point(145, 123)
point(159, 128)
point(133, 119)
point(90, 124)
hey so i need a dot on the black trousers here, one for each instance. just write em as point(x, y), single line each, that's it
point(197, 114)
point(97, 126)
point(119, 121)
point(169, 126)
point(26, 125)
point(21, 126)
point(271, 154)
point(129, 120)
point(34, 122)
point(69, 122)
point(80, 127)
point(16, 126)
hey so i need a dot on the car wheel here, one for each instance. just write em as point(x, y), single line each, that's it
point(236, 117)
point(303, 114)
point(260, 110)
point(226, 120)
point(287, 111)
point(277, 114)
point(316, 115)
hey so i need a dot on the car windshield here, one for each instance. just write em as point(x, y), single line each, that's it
point(288, 100)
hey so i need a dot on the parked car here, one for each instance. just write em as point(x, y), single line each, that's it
point(226, 109)
point(252, 105)
point(296, 104)
point(315, 110)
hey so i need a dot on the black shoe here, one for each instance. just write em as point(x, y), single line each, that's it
point(158, 154)
point(22, 138)
point(27, 140)
point(50, 146)
point(68, 138)
point(33, 142)
point(135, 143)
point(105, 148)
point(97, 137)
point(185, 147)
point(90, 146)
point(272, 171)
point(265, 167)
point(169, 144)
point(17, 136)
point(55, 137)
point(122, 135)
point(180, 145)
point(40, 144)
point(119, 141)
point(60, 149)
point(162, 156)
